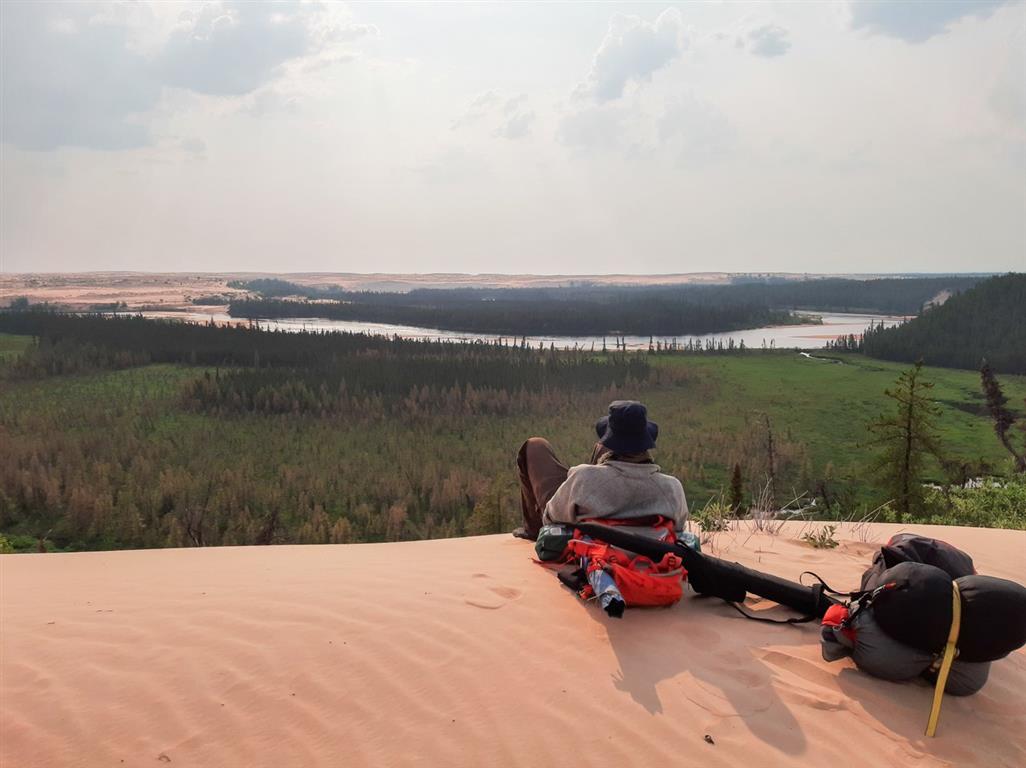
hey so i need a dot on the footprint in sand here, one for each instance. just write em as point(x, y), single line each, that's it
point(507, 592)
point(500, 595)
point(803, 669)
point(857, 549)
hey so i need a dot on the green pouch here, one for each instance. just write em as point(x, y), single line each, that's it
point(552, 540)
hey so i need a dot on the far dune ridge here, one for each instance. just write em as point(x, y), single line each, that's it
point(459, 652)
point(174, 291)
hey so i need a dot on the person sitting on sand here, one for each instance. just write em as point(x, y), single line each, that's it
point(620, 482)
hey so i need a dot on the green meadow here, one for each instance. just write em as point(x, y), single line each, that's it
point(11, 345)
point(826, 407)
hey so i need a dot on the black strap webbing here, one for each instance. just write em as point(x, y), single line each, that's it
point(827, 587)
point(768, 620)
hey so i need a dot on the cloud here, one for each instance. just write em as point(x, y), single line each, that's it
point(513, 104)
point(270, 100)
point(452, 166)
point(77, 74)
point(769, 40)
point(633, 49)
point(915, 22)
point(600, 127)
point(349, 33)
point(517, 127)
point(193, 146)
point(1008, 95)
point(233, 49)
point(514, 119)
point(482, 105)
point(70, 79)
point(696, 128)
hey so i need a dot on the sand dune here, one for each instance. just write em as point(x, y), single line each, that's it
point(456, 652)
point(174, 290)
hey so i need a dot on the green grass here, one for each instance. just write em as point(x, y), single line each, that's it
point(827, 406)
point(12, 346)
point(77, 401)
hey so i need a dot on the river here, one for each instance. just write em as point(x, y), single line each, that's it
point(810, 336)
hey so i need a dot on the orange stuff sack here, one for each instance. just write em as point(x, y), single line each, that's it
point(641, 581)
point(644, 583)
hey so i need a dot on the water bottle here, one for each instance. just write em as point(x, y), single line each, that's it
point(607, 593)
point(690, 540)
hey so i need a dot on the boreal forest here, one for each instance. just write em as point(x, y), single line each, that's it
point(986, 323)
point(123, 432)
point(663, 310)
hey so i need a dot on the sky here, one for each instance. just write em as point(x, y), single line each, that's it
point(548, 138)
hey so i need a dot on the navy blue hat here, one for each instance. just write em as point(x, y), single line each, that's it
point(627, 429)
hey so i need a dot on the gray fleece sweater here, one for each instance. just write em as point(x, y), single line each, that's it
point(620, 490)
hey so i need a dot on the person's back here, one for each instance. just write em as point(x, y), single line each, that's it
point(621, 482)
point(618, 490)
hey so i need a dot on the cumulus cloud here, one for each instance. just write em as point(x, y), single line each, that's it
point(513, 104)
point(269, 101)
point(70, 79)
point(230, 50)
point(233, 48)
point(769, 40)
point(696, 128)
point(633, 49)
point(482, 105)
point(509, 116)
point(599, 127)
point(1008, 95)
point(517, 126)
point(915, 22)
point(74, 75)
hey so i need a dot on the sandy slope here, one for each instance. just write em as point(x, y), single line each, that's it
point(457, 652)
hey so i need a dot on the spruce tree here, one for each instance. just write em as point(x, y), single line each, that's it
point(736, 489)
point(905, 439)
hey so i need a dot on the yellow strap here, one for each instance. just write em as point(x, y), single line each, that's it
point(949, 656)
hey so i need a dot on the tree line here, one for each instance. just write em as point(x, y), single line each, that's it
point(987, 322)
point(596, 310)
point(633, 314)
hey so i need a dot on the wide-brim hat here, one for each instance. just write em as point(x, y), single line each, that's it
point(627, 429)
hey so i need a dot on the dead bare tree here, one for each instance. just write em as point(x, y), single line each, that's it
point(1003, 418)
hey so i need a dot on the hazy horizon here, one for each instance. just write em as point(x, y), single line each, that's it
point(515, 139)
point(298, 273)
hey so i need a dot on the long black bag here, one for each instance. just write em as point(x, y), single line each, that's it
point(713, 577)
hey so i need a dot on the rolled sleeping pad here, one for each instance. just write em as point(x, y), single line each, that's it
point(714, 577)
point(993, 618)
point(917, 611)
